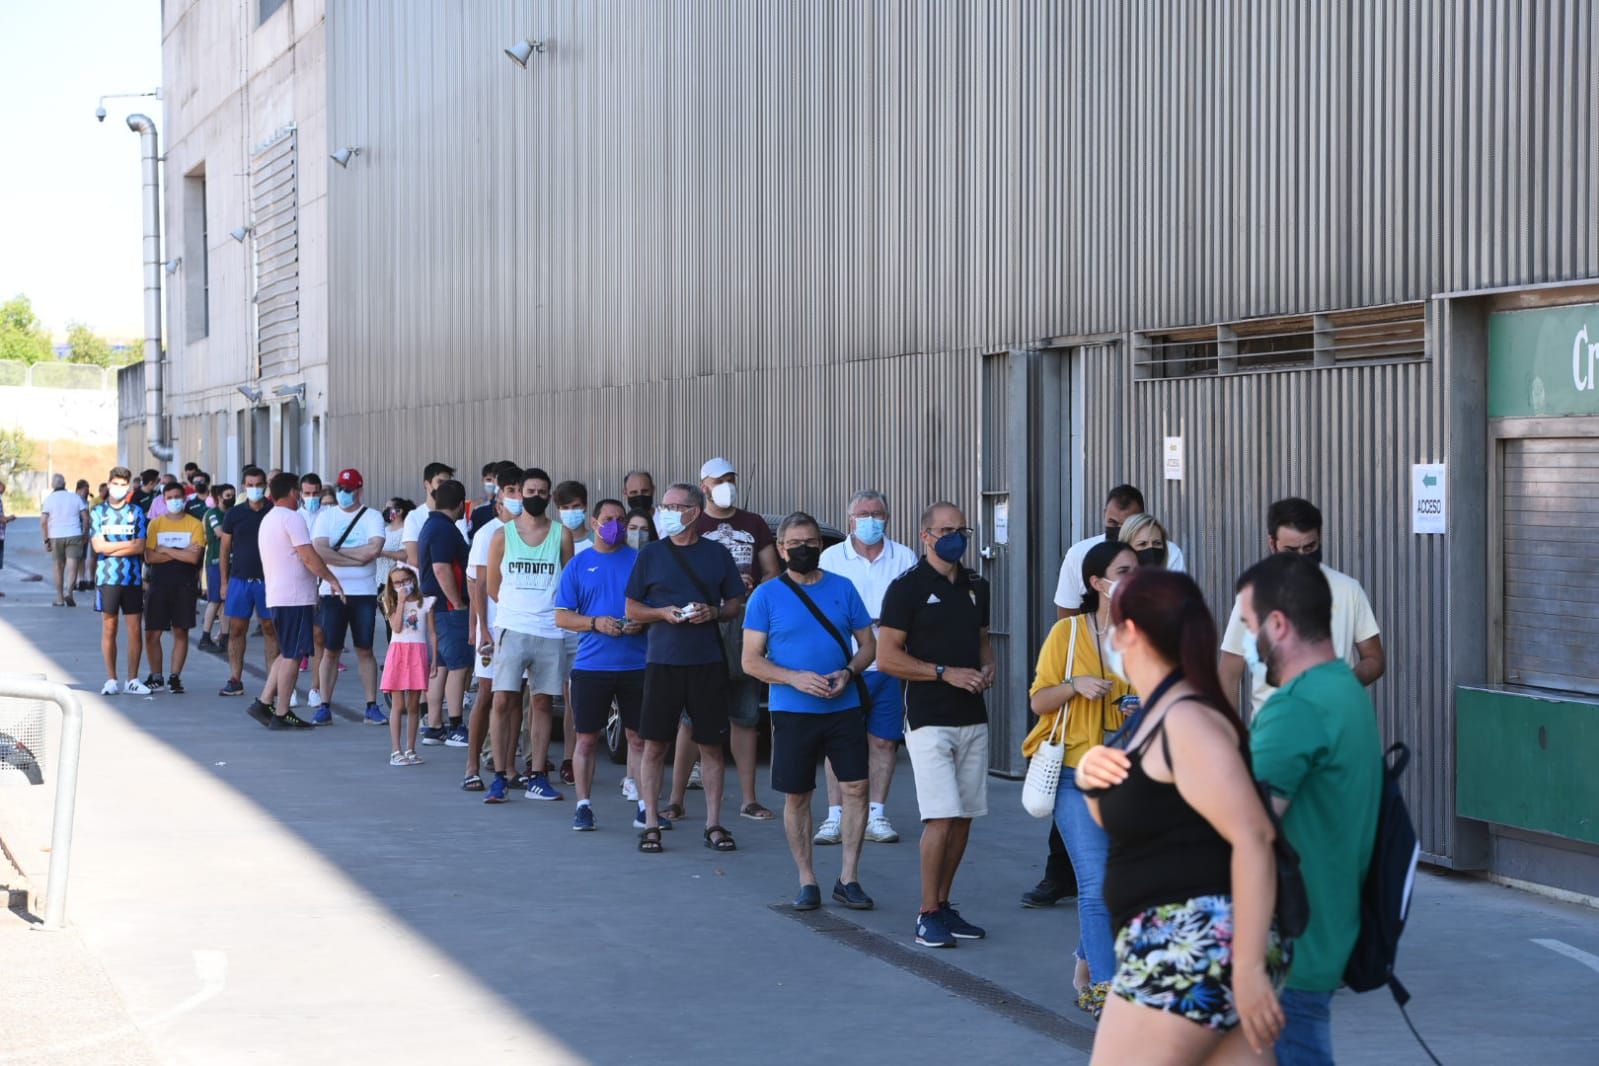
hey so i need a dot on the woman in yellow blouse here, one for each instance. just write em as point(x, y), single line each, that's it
point(1090, 696)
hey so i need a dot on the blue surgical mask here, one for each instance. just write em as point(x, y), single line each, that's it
point(313, 504)
point(512, 507)
point(571, 517)
point(1113, 656)
point(869, 530)
point(255, 493)
point(950, 547)
point(668, 523)
point(1252, 658)
point(346, 498)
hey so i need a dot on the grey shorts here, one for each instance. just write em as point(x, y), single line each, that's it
point(539, 659)
point(570, 642)
point(64, 548)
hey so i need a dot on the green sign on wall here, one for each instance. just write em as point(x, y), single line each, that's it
point(1544, 362)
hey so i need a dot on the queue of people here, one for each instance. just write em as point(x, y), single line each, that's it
point(679, 617)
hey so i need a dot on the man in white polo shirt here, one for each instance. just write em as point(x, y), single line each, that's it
point(871, 561)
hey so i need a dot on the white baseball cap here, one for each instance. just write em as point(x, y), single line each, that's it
point(717, 467)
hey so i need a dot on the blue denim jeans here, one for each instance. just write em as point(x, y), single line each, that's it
point(1306, 1039)
point(1087, 845)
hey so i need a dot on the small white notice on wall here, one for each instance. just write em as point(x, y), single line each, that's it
point(1002, 522)
point(1174, 459)
point(1429, 499)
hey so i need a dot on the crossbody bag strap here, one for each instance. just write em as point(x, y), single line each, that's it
point(827, 624)
point(348, 529)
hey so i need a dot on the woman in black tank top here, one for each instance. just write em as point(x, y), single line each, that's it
point(1190, 880)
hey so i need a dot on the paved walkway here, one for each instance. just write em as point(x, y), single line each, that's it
point(244, 896)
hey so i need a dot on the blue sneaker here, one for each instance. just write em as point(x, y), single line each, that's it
point(496, 790)
point(931, 932)
point(959, 927)
point(323, 716)
point(375, 715)
point(583, 819)
point(662, 820)
point(539, 788)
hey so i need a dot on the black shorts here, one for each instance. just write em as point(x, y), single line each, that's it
point(699, 691)
point(357, 616)
point(169, 607)
point(594, 690)
point(800, 741)
point(119, 599)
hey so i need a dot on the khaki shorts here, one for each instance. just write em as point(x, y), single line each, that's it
point(64, 548)
point(540, 659)
point(951, 768)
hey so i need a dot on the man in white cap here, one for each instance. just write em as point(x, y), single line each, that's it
point(748, 538)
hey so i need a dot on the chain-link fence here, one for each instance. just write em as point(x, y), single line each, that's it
point(56, 375)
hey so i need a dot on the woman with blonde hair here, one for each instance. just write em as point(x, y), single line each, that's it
point(1147, 537)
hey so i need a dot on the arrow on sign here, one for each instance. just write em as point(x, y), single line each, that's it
point(1429, 480)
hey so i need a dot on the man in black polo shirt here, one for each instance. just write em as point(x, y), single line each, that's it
point(934, 636)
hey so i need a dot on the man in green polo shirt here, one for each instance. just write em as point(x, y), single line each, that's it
point(1315, 744)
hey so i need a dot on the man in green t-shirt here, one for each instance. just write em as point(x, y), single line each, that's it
point(1315, 744)
point(211, 518)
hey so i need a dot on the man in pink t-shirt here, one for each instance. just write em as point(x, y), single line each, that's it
point(290, 567)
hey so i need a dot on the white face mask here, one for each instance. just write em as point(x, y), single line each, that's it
point(117, 492)
point(724, 494)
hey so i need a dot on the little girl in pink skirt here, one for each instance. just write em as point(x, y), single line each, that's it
point(412, 648)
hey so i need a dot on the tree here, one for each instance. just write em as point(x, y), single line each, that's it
point(16, 454)
point(21, 336)
point(88, 346)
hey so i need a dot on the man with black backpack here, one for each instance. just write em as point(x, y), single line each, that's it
point(1315, 746)
point(797, 633)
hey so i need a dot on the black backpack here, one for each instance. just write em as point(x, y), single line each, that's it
point(1385, 897)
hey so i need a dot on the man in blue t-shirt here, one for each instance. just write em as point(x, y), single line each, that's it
point(116, 531)
point(681, 587)
point(591, 600)
point(796, 639)
point(441, 552)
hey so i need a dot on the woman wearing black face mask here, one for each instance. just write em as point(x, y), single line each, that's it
point(1147, 537)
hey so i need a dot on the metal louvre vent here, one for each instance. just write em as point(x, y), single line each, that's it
point(274, 200)
point(1390, 333)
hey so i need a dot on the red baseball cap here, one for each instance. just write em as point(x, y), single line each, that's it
point(350, 479)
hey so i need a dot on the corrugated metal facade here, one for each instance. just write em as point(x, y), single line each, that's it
point(791, 231)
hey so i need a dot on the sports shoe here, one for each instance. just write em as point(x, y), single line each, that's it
point(260, 712)
point(539, 788)
point(375, 715)
point(694, 777)
point(294, 698)
point(323, 716)
point(314, 700)
point(566, 772)
point(234, 687)
point(583, 819)
point(205, 643)
point(456, 737)
point(959, 927)
point(432, 735)
point(276, 724)
point(496, 792)
point(222, 644)
point(931, 932)
point(396, 759)
point(852, 896)
point(629, 789)
point(154, 683)
point(135, 687)
point(175, 685)
point(879, 831)
point(662, 820)
point(305, 663)
point(1046, 893)
point(111, 688)
point(809, 898)
point(296, 721)
point(828, 832)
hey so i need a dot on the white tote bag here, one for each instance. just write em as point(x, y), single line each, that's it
point(1043, 772)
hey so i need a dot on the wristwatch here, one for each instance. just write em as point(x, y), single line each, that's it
point(939, 672)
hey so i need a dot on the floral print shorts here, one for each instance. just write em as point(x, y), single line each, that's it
point(1179, 958)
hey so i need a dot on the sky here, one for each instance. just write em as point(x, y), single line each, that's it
point(69, 190)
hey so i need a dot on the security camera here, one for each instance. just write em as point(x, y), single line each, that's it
point(99, 114)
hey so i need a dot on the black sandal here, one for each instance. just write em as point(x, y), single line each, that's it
point(649, 841)
point(724, 844)
point(674, 811)
point(473, 783)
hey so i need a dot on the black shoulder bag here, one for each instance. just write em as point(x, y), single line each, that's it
point(710, 600)
point(816, 612)
point(348, 530)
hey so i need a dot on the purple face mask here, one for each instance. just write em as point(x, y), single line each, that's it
point(613, 532)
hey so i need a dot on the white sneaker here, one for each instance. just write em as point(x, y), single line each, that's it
point(110, 688)
point(135, 687)
point(827, 833)
point(878, 831)
point(694, 777)
point(630, 789)
point(294, 698)
point(314, 700)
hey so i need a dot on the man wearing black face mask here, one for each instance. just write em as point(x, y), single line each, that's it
point(1293, 526)
point(639, 489)
point(795, 640)
point(934, 635)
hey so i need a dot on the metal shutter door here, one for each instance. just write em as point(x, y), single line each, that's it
point(1551, 505)
point(274, 188)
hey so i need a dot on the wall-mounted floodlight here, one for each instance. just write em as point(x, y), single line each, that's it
point(296, 391)
point(523, 50)
point(344, 155)
point(238, 233)
point(250, 393)
point(171, 265)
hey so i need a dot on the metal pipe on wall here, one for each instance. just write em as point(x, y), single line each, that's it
point(154, 397)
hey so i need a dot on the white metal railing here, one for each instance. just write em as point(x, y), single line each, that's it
point(33, 688)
